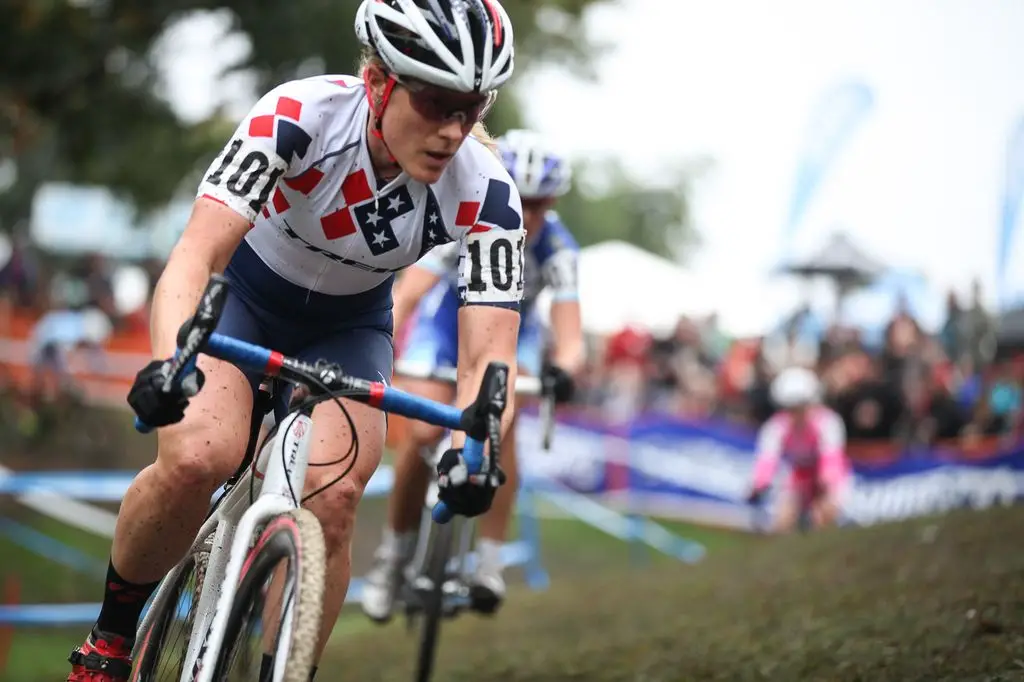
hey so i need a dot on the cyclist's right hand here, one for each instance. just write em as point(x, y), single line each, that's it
point(562, 383)
point(153, 406)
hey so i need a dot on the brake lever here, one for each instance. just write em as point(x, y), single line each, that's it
point(494, 441)
point(197, 330)
point(481, 422)
point(192, 336)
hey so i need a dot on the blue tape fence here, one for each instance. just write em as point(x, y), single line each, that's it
point(110, 487)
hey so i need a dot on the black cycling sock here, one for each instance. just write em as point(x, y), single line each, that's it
point(267, 667)
point(123, 603)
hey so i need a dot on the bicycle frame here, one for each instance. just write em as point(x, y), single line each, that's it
point(233, 526)
point(235, 521)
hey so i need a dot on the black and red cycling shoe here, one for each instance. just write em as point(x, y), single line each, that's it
point(103, 657)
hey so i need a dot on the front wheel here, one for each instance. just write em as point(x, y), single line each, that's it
point(278, 606)
point(433, 601)
point(164, 644)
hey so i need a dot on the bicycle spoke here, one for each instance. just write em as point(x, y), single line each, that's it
point(263, 622)
point(165, 661)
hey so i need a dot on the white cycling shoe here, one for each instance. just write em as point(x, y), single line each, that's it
point(385, 578)
point(487, 586)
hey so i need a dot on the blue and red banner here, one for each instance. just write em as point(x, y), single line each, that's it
point(701, 471)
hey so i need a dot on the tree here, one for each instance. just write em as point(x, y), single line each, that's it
point(655, 218)
point(78, 98)
point(78, 103)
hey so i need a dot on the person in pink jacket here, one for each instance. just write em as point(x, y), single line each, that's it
point(811, 438)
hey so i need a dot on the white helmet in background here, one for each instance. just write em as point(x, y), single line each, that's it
point(796, 386)
point(461, 45)
point(539, 170)
point(96, 327)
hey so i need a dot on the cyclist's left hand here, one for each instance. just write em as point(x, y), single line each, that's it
point(563, 384)
point(756, 495)
point(464, 493)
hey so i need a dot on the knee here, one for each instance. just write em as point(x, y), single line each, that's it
point(826, 513)
point(335, 507)
point(198, 456)
point(786, 517)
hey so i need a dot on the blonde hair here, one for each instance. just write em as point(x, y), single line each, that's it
point(483, 136)
point(368, 58)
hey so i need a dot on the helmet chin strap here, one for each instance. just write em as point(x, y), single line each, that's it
point(378, 111)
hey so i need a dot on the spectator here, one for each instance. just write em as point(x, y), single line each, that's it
point(56, 337)
point(1004, 399)
point(735, 376)
point(99, 285)
point(19, 279)
point(683, 372)
point(902, 340)
point(931, 412)
point(759, 395)
point(978, 330)
point(713, 340)
point(952, 340)
point(869, 405)
point(626, 363)
point(87, 285)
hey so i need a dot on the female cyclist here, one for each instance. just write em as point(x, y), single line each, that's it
point(328, 187)
point(812, 440)
point(430, 288)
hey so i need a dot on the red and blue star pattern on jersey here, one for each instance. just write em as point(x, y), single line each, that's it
point(361, 211)
point(371, 216)
point(355, 189)
point(434, 232)
point(290, 139)
point(374, 218)
point(496, 210)
point(304, 183)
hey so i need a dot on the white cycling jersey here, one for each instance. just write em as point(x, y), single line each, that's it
point(298, 167)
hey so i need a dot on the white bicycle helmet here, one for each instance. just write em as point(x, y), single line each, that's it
point(461, 45)
point(538, 169)
point(796, 386)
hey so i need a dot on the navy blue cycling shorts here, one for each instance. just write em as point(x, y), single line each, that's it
point(263, 308)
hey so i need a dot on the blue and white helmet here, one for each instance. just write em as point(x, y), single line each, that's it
point(461, 45)
point(537, 167)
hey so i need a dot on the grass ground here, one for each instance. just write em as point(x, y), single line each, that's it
point(931, 599)
point(570, 549)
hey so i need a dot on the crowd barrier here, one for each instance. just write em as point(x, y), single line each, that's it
point(65, 495)
point(701, 471)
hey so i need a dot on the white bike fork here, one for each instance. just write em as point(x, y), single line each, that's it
point(236, 527)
